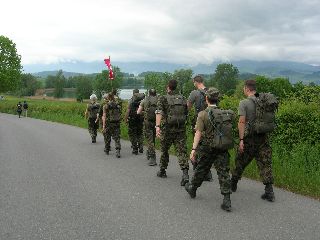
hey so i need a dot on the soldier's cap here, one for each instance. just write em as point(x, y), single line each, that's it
point(135, 90)
point(105, 96)
point(93, 97)
point(212, 93)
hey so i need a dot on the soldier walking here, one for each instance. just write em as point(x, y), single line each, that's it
point(91, 114)
point(171, 116)
point(198, 100)
point(212, 139)
point(135, 122)
point(253, 144)
point(111, 120)
point(148, 107)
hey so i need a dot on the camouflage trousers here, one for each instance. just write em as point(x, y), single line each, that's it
point(178, 139)
point(257, 147)
point(135, 132)
point(150, 135)
point(221, 161)
point(112, 130)
point(93, 127)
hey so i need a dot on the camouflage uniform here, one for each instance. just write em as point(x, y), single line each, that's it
point(255, 146)
point(112, 129)
point(93, 109)
point(208, 156)
point(197, 98)
point(149, 128)
point(135, 131)
point(172, 135)
point(258, 147)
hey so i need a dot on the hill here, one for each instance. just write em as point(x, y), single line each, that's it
point(295, 71)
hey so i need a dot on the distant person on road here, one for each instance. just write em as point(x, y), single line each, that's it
point(19, 109)
point(135, 122)
point(25, 108)
point(171, 117)
point(91, 114)
point(197, 99)
point(212, 140)
point(148, 107)
point(111, 120)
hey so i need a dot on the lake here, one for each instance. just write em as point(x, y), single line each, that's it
point(127, 93)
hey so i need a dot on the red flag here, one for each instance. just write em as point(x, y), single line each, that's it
point(108, 63)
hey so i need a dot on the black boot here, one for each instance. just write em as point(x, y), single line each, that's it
point(140, 148)
point(152, 161)
point(162, 173)
point(208, 178)
point(191, 190)
point(94, 140)
point(118, 153)
point(269, 194)
point(226, 204)
point(185, 177)
point(135, 151)
point(106, 150)
point(234, 183)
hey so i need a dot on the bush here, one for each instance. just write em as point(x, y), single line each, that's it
point(297, 123)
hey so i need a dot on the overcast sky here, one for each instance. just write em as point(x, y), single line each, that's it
point(188, 31)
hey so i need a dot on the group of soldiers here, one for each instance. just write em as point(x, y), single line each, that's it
point(165, 117)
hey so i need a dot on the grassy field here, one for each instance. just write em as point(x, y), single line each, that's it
point(297, 171)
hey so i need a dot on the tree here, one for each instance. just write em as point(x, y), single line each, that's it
point(226, 76)
point(59, 83)
point(83, 87)
point(29, 84)
point(10, 65)
point(102, 83)
point(183, 76)
point(157, 81)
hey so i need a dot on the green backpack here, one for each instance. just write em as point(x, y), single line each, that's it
point(114, 112)
point(177, 106)
point(219, 134)
point(150, 108)
point(266, 105)
point(94, 109)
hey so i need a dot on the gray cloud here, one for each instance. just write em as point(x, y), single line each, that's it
point(172, 30)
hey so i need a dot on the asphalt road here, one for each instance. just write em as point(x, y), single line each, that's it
point(56, 184)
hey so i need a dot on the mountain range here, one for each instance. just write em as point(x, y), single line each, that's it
point(295, 71)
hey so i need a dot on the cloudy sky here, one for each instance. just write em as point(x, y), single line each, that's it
point(188, 31)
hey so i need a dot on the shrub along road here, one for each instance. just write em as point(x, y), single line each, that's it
point(55, 184)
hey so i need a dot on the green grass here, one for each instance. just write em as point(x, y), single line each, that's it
point(297, 171)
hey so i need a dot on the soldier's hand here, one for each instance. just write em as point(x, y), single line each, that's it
point(193, 156)
point(241, 146)
point(158, 132)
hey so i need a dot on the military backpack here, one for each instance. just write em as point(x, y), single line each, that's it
point(150, 108)
point(201, 104)
point(135, 102)
point(219, 134)
point(177, 106)
point(114, 112)
point(93, 110)
point(266, 105)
